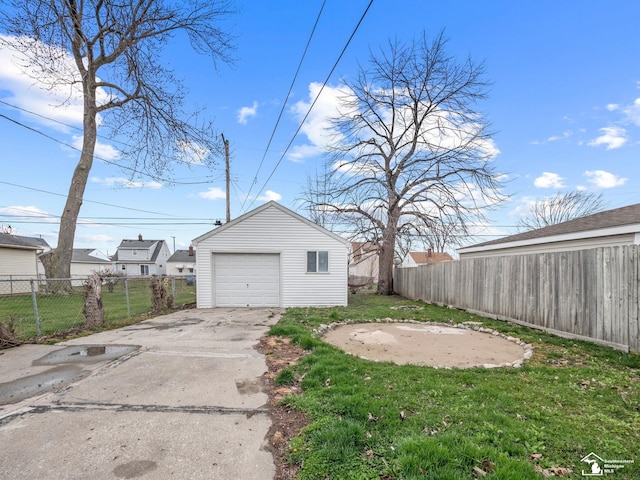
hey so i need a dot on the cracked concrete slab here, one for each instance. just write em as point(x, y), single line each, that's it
point(188, 402)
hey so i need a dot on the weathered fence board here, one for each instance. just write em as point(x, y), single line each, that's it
point(590, 294)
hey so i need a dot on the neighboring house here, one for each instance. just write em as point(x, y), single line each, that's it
point(182, 263)
point(40, 243)
point(364, 261)
point(617, 227)
point(271, 257)
point(83, 264)
point(415, 259)
point(18, 261)
point(141, 257)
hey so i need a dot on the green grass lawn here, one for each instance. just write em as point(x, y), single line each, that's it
point(383, 421)
point(63, 312)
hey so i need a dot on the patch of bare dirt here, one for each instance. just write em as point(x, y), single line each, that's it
point(287, 422)
point(442, 346)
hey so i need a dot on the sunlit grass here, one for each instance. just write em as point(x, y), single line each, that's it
point(380, 420)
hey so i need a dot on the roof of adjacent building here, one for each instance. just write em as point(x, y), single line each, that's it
point(17, 241)
point(182, 256)
point(83, 255)
point(257, 210)
point(427, 258)
point(618, 217)
point(139, 245)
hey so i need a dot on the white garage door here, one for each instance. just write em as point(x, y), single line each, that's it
point(246, 279)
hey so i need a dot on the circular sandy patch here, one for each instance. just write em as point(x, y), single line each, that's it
point(428, 344)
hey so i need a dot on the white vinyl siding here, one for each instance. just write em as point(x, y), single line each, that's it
point(16, 263)
point(272, 229)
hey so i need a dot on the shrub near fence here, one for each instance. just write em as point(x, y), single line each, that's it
point(36, 311)
point(589, 294)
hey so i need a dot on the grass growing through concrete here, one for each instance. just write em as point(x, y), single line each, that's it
point(383, 421)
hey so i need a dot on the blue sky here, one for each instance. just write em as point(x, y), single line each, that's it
point(565, 106)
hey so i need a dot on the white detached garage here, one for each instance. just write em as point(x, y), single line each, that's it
point(271, 257)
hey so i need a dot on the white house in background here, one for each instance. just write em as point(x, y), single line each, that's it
point(18, 261)
point(84, 264)
point(182, 263)
point(271, 257)
point(364, 260)
point(611, 228)
point(141, 257)
point(415, 259)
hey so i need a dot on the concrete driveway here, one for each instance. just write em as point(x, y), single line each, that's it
point(187, 404)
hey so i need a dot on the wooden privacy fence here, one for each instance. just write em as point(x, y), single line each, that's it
point(587, 294)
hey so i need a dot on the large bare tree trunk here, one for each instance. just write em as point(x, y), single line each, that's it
point(386, 256)
point(58, 263)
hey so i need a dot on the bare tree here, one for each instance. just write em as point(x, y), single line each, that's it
point(410, 148)
point(108, 52)
point(561, 207)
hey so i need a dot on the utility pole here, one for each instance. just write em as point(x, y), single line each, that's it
point(226, 158)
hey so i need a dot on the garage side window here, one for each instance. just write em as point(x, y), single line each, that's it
point(317, 261)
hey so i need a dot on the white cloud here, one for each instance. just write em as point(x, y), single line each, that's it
point(612, 137)
point(523, 208)
point(246, 112)
point(192, 153)
point(59, 101)
point(612, 107)
point(121, 182)
point(444, 128)
point(603, 179)
point(549, 180)
point(31, 211)
point(317, 126)
point(555, 138)
point(270, 195)
point(213, 193)
point(633, 112)
point(103, 151)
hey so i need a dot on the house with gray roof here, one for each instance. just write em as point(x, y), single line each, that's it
point(19, 261)
point(141, 257)
point(182, 263)
point(611, 228)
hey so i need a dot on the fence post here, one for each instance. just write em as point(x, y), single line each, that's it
point(35, 307)
point(126, 294)
point(173, 288)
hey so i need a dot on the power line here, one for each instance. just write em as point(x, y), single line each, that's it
point(335, 65)
point(109, 162)
point(85, 200)
point(304, 53)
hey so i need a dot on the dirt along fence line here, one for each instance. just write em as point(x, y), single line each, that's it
point(589, 294)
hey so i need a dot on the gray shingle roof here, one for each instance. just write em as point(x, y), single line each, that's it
point(17, 241)
point(617, 217)
point(182, 256)
point(140, 245)
point(83, 255)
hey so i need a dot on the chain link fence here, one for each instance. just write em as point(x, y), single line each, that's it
point(36, 308)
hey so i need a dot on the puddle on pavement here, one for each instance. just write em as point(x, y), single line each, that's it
point(85, 354)
point(26, 387)
point(67, 366)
